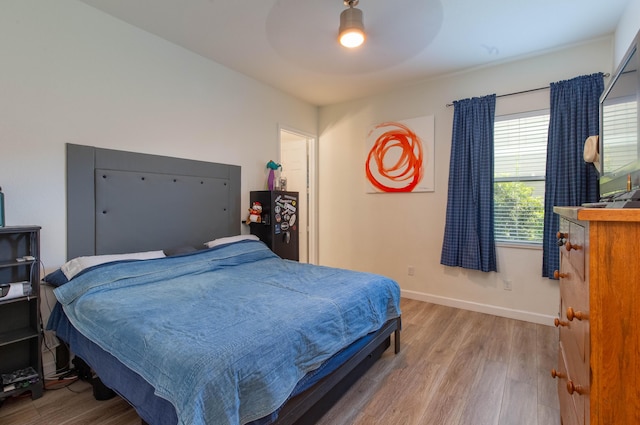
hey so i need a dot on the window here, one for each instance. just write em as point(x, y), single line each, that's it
point(520, 154)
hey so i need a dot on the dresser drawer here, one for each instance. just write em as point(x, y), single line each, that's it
point(573, 336)
point(568, 412)
point(562, 237)
point(574, 298)
point(575, 247)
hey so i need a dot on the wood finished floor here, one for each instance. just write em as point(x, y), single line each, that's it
point(455, 367)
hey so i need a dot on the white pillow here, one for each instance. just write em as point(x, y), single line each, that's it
point(75, 266)
point(231, 239)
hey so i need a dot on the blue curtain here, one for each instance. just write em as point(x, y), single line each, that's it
point(469, 232)
point(569, 180)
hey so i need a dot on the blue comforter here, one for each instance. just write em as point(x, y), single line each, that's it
point(225, 334)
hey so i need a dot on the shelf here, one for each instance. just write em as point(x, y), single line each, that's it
point(14, 263)
point(20, 333)
point(17, 336)
point(35, 388)
point(20, 229)
point(18, 299)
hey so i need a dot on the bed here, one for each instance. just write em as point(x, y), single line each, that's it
point(225, 333)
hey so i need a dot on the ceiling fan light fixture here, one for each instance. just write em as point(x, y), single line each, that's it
point(351, 33)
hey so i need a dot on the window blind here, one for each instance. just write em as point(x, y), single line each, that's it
point(620, 124)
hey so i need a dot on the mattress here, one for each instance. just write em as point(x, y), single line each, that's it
point(140, 394)
point(128, 319)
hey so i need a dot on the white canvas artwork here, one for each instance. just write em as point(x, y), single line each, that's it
point(400, 156)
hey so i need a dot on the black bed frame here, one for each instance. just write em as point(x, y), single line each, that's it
point(117, 201)
point(307, 408)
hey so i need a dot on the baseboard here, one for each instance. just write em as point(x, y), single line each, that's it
point(527, 316)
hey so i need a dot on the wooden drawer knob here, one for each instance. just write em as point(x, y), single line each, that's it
point(558, 275)
point(555, 374)
point(559, 322)
point(569, 247)
point(574, 388)
point(579, 315)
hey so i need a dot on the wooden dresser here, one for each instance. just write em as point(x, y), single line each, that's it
point(598, 368)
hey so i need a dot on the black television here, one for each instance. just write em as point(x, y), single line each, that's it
point(619, 129)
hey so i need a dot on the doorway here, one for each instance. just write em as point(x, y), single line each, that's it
point(297, 157)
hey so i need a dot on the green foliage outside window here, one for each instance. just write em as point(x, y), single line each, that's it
point(519, 213)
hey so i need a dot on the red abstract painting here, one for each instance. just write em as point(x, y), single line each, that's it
point(400, 156)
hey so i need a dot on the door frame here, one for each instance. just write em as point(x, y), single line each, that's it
point(312, 196)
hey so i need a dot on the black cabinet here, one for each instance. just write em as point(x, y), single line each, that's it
point(279, 222)
point(20, 332)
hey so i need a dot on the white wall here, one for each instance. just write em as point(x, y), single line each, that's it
point(386, 233)
point(627, 29)
point(70, 73)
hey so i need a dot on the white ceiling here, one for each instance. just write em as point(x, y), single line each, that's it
point(292, 44)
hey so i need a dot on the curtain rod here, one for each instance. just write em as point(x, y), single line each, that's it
point(522, 92)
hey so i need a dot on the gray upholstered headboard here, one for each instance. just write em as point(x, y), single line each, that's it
point(119, 202)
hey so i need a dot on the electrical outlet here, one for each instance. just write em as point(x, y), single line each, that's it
point(411, 270)
point(506, 284)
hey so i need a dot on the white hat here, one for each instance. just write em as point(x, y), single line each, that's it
point(591, 153)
